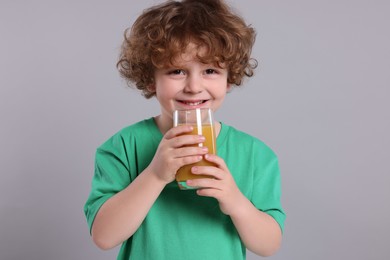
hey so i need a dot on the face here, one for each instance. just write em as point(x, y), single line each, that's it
point(189, 84)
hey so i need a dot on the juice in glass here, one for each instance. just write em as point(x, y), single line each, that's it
point(202, 122)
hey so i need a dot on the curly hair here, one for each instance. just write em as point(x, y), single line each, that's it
point(164, 31)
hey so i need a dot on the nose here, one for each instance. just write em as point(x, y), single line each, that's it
point(193, 85)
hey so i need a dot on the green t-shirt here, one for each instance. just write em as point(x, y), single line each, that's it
point(181, 224)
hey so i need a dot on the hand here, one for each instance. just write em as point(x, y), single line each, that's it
point(221, 186)
point(174, 151)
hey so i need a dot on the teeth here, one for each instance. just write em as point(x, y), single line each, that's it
point(193, 103)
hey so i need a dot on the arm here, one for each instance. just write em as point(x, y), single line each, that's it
point(259, 232)
point(121, 215)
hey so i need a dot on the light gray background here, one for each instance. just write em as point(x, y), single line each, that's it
point(320, 99)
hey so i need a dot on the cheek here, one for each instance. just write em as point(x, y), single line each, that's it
point(164, 94)
point(223, 89)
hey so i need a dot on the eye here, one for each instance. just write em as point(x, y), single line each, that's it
point(210, 71)
point(176, 72)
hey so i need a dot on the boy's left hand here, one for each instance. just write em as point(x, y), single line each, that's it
point(221, 187)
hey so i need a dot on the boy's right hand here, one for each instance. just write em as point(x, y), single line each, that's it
point(175, 150)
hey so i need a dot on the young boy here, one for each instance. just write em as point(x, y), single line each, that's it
point(186, 54)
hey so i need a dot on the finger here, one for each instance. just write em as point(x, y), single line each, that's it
point(188, 160)
point(178, 130)
point(204, 183)
point(209, 192)
point(218, 161)
point(186, 140)
point(211, 171)
point(189, 151)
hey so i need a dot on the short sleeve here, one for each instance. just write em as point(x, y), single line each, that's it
point(266, 194)
point(111, 175)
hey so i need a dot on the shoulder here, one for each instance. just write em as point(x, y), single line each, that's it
point(240, 140)
point(137, 128)
point(138, 131)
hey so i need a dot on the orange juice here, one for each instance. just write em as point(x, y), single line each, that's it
point(184, 173)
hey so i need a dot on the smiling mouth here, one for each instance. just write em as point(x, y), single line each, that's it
point(192, 102)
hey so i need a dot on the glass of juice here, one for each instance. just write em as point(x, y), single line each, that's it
point(202, 121)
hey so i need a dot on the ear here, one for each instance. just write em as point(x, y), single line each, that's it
point(229, 88)
point(151, 88)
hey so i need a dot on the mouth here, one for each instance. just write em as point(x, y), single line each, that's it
point(192, 102)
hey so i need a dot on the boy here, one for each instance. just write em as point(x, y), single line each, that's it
point(186, 54)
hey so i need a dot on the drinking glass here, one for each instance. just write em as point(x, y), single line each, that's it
point(202, 121)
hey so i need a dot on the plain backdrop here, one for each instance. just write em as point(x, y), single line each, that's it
point(320, 99)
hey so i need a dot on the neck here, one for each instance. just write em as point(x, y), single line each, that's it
point(162, 126)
